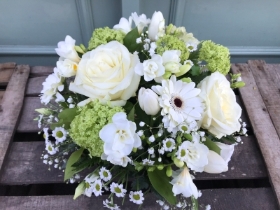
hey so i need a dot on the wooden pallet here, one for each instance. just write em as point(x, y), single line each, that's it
point(252, 181)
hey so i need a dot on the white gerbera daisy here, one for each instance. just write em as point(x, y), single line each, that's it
point(97, 187)
point(136, 197)
point(105, 174)
point(117, 189)
point(110, 205)
point(168, 144)
point(60, 134)
point(179, 101)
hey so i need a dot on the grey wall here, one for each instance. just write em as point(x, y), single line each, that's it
point(30, 29)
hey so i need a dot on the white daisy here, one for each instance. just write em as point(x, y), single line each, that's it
point(46, 134)
point(89, 180)
point(191, 46)
point(105, 174)
point(117, 189)
point(60, 134)
point(168, 144)
point(50, 148)
point(136, 197)
point(97, 187)
point(179, 101)
point(110, 205)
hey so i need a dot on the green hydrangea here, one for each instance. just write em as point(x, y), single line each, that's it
point(103, 36)
point(216, 56)
point(84, 129)
point(169, 42)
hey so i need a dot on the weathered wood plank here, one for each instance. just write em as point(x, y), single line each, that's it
point(24, 166)
point(11, 106)
point(219, 199)
point(37, 71)
point(10, 65)
point(262, 125)
point(267, 78)
point(5, 75)
point(27, 122)
point(1, 95)
point(34, 86)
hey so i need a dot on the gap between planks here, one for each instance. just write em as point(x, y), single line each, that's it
point(262, 125)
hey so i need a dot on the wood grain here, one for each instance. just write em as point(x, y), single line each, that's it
point(24, 165)
point(5, 75)
point(1, 95)
point(219, 199)
point(262, 125)
point(11, 107)
point(10, 65)
point(34, 86)
point(267, 78)
point(37, 71)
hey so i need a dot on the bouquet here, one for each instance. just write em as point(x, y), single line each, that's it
point(143, 100)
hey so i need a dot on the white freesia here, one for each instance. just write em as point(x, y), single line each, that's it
point(156, 27)
point(140, 21)
point(66, 49)
point(107, 73)
point(52, 84)
point(171, 60)
point(124, 25)
point(182, 183)
point(148, 101)
point(194, 155)
point(216, 164)
point(226, 151)
point(119, 139)
point(150, 68)
point(66, 67)
point(222, 112)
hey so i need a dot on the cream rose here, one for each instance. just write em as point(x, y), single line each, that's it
point(222, 112)
point(107, 73)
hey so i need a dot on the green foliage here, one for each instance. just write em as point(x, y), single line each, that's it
point(70, 170)
point(161, 183)
point(65, 118)
point(130, 41)
point(140, 183)
point(212, 146)
point(194, 203)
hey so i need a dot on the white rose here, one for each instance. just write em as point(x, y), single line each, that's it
point(66, 49)
point(107, 73)
point(222, 112)
point(156, 28)
point(151, 68)
point(148, 101)
point(66, 67)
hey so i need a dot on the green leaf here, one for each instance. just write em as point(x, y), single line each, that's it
point(69, 170)
point(130, 115)
point(80, 189)
point(194, 203)
point(212, 146)
point(65, 118)
point(161, 183)
point(130, 41)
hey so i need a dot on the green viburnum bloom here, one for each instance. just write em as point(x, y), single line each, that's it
point(169, 42)
point(84, 129)
point(216, 56)
point(103, 36)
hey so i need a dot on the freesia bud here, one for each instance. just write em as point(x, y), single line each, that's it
point(156, 28)
point(216, 164)
point(183, 69)
point(148, 101)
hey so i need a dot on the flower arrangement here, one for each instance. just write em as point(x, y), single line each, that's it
point(150, 102)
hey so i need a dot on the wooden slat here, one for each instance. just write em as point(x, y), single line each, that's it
point(267, 78)
point(1, 95)
point(27, 122)
point(219, 199)
point(34, 86)
point(11, 106)
point(262, 125)
point(6, 71)
point(24, 166)
point(37, 71)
